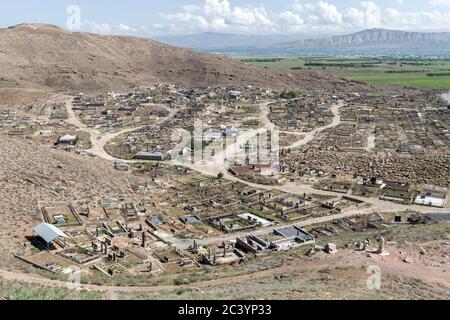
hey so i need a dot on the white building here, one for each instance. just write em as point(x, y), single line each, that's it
point(432, 197)
point(68, 139)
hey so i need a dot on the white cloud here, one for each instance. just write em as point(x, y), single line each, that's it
point(324, 13)
point(106, 28)
point(95, 27)
point(297, 6)
point(412, 20)
point(299, 16)
point(219, 15)
point(126, 28)
point(440, 3)
point(354, 18)
point(372, 14)
point(322, 16)
point(291, 22)
point(317, 13)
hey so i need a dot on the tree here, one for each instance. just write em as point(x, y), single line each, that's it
point(220, 176)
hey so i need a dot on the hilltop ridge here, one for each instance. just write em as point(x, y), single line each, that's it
point(41, 56)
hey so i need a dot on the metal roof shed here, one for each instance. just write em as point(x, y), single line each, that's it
point(49, 232)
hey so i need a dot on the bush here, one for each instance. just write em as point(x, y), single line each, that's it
point(289, 95)
point(181, 282)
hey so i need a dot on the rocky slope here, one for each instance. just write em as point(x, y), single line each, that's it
point(30, 173)
point(48, 57)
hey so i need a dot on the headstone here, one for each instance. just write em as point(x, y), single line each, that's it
point(143, 239)
point(382, 247)
point(195, 247)
point(331, 248)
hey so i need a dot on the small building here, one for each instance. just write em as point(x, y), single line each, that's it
point(251, 217)
point(397, 191)
point(68, 139)
point(235, 95)
point(397, 185)
point(292, 237)
point(49, 233)
point(251, 244)
point(190, 219)
point(149, 156)
point(432, 197)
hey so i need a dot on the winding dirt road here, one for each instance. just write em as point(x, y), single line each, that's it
point(99, 140)
point(218, 164)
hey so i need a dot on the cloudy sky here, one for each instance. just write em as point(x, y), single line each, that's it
point(152, 18)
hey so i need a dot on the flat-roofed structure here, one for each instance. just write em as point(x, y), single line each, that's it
point(292, 237)
point(292, 231)
point(149, 156)
point(190, 219)
point(432, 197)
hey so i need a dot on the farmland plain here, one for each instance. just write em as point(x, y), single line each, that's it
point(430, 73)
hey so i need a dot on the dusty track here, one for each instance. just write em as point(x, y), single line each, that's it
point(98, 139)
point(392, 265)
point(217, 165)
point(389, 265)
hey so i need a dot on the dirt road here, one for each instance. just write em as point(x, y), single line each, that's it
point(392, 264)
point(309, 136)
point(98, 139)
point(217, 164)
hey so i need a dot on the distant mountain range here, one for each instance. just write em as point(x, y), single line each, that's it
point(370, 38)
point(211, 41)
point(381, 38)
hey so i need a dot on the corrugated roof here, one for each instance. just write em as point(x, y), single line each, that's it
point(49, 232)
point(67, 138)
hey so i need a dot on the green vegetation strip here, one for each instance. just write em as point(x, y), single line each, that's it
point(403, 72)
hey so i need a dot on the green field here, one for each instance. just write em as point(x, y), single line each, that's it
point(403, 72)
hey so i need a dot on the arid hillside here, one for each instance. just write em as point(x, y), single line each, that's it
point(48, 57)
point(30, 173)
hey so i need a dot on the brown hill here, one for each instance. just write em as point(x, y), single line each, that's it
point(44, 56)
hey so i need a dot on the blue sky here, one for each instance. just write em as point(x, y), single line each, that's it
point(150, 18)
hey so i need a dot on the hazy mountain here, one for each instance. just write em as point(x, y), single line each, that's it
point(48, 57)
point(211, 41)
point(375, 38)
